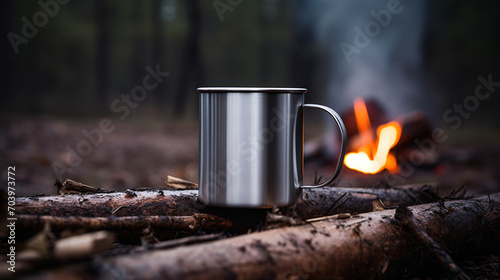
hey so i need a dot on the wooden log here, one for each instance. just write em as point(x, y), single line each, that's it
point(406, 218)
point(199, 221)
point(329, 201)
point(415, 126)
point(371, 245)
point(128, 228)
point(157, 202)
point(129, 203)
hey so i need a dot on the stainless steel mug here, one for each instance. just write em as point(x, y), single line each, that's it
point(251, 146)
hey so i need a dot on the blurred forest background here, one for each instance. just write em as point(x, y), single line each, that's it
point(88, 53)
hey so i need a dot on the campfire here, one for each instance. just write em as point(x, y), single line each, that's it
point(372, 154)
point(379, 142)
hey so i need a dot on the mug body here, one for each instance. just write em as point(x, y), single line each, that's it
point(251, 146)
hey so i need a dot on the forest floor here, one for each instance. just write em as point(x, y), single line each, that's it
point(142, 153)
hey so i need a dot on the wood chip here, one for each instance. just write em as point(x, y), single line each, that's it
point(179, 184)
point(73, 187)
point(378, 205)
point(82, 246)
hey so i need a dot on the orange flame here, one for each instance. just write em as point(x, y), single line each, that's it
point(373, 156)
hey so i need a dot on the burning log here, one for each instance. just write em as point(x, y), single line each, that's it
point(376, 113)
point(372, 153)
point(414, 125)
point(365, 246)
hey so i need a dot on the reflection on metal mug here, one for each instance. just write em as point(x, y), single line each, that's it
point(251, 146)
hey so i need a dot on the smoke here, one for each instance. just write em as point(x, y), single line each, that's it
point(373, 49)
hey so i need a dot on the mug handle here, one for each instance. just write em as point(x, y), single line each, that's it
point(343, 135)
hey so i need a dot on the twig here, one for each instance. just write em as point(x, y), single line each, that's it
point(336, 216)
point(180, 242)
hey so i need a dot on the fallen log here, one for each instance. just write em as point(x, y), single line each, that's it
point(159, 202)
point(368, 245)
point(127, 228)
point(204, 222)
point(407, 220)
point(328, 201)
point(129, 203)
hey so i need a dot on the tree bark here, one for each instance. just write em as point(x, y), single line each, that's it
point(370, 245)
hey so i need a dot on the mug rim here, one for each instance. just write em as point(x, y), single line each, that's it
point(250, 89)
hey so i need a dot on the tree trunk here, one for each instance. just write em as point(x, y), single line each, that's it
point(370, 245)
point(8, 66)
point(102, 14)
point(158, 49)
point(190, 70)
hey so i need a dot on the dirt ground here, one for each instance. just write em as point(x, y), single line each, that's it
point(143, 152)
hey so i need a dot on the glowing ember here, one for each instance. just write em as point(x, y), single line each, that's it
point(373, 156)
